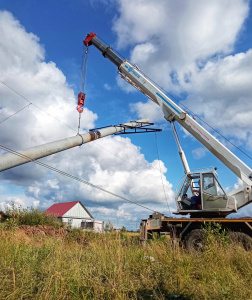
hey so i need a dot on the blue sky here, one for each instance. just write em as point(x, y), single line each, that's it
point(204, 46)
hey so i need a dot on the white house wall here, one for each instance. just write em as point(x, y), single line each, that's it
point(99, 226)
point(76, 223)
point(77, 211)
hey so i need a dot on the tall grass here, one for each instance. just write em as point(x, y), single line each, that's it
point(114, 266)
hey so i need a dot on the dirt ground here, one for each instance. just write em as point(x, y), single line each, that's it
point(26, 232)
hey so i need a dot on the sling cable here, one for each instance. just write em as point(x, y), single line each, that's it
point(82, 95)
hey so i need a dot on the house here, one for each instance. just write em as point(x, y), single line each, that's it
point(73, 213)
point(76, 214)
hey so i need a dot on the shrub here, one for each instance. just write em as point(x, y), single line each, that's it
point(214, 233)
point(29, 216)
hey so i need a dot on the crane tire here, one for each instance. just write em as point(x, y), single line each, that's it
point(195, 241)
point(241, 239)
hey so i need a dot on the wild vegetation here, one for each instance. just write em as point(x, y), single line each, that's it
point(16, 216)
point(85, 265)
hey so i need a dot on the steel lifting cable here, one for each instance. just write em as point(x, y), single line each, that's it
point(161, 175)
point(84, 68)
point(82, 95)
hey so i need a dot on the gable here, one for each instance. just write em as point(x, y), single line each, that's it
point(78, 211)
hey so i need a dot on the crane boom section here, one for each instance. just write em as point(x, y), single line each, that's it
point(172, 112)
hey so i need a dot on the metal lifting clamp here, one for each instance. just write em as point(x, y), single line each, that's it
point(81, 101)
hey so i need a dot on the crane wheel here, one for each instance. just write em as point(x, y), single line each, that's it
point(241, 239)
point(195, 241)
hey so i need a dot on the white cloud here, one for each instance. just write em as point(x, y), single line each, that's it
point(199, 153)
point(142, 52)
point(221, 92)
point(127, 214)
point(112, 163)
point(23, 68)
point(124, 85)
point(16, 201)
point(107, 87)
point(236, 186)
point(183, 36)
point(187, 49)
point(148, 110)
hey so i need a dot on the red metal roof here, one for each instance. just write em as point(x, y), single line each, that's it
point(60, 209)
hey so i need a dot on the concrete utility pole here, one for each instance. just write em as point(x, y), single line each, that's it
point(8, 161)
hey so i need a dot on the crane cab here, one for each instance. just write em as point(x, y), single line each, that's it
point(200, 193)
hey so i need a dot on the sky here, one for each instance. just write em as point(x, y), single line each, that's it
point(198, 51)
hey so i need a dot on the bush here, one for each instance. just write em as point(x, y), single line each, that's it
point(29, 216)
point(214, 233)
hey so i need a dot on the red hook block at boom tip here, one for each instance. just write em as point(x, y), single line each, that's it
point(81, 101)
point(89, 38)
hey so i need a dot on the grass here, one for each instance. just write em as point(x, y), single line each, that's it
point(85, 265)
point(114, 266)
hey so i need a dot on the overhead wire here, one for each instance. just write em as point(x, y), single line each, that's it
point(31, 103)
point(197, 116)
point(15, 113)
point(180, 103)
point(71, 176)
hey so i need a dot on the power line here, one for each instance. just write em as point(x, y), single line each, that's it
point(166, 92)
point(31, 103)
point(188, 109)
point(15, 113)
point(72, 177)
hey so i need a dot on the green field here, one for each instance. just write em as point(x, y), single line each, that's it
point(114, 266)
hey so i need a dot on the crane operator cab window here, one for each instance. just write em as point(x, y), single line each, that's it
point(201, 191)
point(189, 196)
point(211, 186)
point(213, 195)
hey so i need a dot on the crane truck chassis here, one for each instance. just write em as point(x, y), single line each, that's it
point(189, 232)
point(214, 203)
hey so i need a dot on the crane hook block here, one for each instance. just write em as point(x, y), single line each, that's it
point(81, 101)
point(87, 41)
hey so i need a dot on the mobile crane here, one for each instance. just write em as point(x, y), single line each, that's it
point(213, 203)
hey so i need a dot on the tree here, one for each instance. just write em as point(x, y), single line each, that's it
point(109, 226)
point(123, 229)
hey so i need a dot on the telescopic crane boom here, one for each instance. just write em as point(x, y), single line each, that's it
point(214, 200)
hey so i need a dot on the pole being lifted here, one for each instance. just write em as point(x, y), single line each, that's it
point(8, 161)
